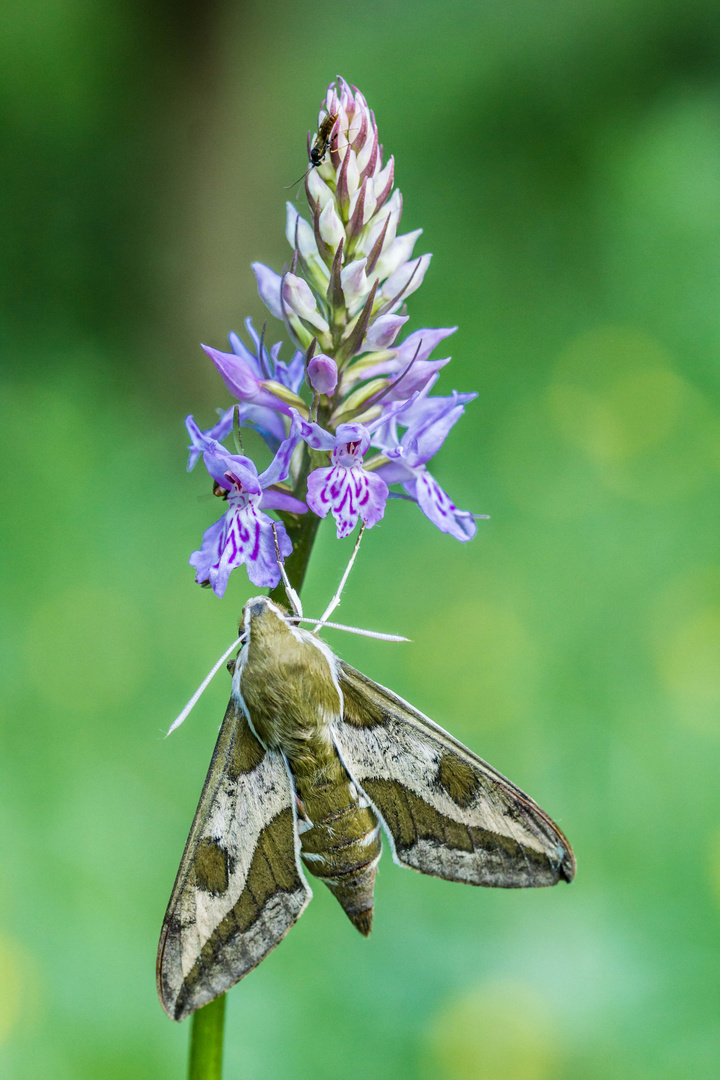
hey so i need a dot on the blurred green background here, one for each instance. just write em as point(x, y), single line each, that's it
point(564, 160)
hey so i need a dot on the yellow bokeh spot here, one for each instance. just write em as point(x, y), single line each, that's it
point(85, 648)
point(649, 434)
point(606, 354)
point(634, 413)
point(12, 987)
point(498, 1031)
point(715, 867)
point(690, 667)
point(540, 471)
point(686, 627)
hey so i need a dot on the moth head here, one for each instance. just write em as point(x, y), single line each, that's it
point(263, 620)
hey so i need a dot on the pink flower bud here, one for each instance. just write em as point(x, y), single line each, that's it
point(322, 374)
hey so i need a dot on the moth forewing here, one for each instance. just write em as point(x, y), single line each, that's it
point(447, 812)
point(239, 888)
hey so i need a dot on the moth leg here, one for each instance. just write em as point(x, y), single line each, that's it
point(304, 824)
point(336, 598)
point(291, 594)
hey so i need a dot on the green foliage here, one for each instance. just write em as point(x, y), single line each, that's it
point(563, 160)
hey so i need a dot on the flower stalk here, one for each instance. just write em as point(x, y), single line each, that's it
point(206, 1041)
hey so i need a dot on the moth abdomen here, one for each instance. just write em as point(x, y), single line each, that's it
point(353, 889)
point(343, 846)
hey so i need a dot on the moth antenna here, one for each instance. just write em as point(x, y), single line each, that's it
point(203, 685)
point(336, 598)
point(291, 594)
point(351, 629)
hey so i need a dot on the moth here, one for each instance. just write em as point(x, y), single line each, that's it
point(313, 761)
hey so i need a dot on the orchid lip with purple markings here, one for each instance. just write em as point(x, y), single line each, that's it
point(345, 488)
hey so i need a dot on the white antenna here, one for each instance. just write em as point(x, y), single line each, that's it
point(336, 598)
point(350, 629)
point(196, 696)
point(291, 594)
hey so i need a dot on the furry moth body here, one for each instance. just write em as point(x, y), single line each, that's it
point(312, 759)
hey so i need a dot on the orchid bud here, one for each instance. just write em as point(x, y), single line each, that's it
point(322, 374)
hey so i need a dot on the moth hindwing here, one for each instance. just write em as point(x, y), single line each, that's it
point(311, 759)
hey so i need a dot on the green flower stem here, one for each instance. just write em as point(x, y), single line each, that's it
point(206, 1037)
point(301, 530)
point(206, 1041)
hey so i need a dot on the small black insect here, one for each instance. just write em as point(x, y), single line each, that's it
point(320, 146)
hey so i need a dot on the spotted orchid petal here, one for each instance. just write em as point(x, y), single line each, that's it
point(330, 226)
point(243, 535)
point(405, 281)
point(349, 494)
point(322, 374)
point(427, 409)
point(354, 283)
point(279, 468)
point(315, 436)
point(299, 233)
point(273, 499)
point(424, 441)
point(415, 379)
point(441, 510)
point(397, 253)
point(298, 299)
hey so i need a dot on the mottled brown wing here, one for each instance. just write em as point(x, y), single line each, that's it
point(447, 812)
point(239, 888)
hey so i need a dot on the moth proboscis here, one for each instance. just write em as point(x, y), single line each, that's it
point(312, 760)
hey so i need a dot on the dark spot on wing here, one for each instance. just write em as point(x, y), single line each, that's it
point(245, 753)
point(212, 867)
point(458, 779)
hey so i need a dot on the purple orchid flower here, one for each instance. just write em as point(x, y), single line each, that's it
point(345, 488)
point(244, 534)
point(428, 421)
point(246, 375)
point(201, 440)
point(416, 346)
point(267, 365)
